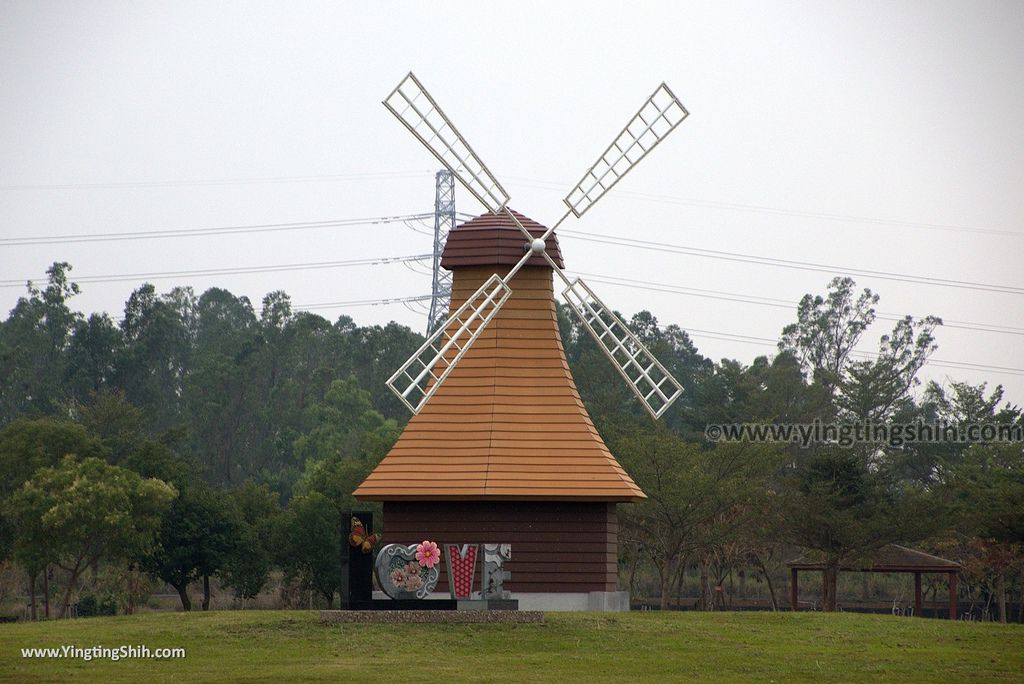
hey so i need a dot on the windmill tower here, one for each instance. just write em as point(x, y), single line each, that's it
point(501, 448)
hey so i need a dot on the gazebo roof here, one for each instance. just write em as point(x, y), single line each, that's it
point(508, 422)
point(889, 558)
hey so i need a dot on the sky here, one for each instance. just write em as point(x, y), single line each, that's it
point(877, 137)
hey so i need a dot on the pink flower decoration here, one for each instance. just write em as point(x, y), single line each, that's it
point(428, 554)
point(413, 569)
point(413, 582)
point(398, 576)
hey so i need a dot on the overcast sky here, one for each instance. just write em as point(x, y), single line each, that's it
point(878, 136)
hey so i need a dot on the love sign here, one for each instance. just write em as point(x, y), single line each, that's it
point(461, 562)
point(411, 572)
point(408, 572)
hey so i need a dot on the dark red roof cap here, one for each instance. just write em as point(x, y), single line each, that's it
point(494, 240)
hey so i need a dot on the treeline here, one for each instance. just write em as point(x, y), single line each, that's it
point(198, 439)
point(193, 438)
point(721, 509)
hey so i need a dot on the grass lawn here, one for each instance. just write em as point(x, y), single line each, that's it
point(649, 646)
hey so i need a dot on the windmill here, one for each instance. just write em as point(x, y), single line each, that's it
point(416, 381)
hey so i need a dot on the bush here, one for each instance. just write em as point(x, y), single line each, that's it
point(90, 606)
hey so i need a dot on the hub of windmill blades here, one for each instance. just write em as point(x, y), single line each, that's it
point(416, 381)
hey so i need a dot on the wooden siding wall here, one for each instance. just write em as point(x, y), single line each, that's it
point(560, 547)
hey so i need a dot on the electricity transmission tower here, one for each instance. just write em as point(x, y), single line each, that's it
point(444, 221)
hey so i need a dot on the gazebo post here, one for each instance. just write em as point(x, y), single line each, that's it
point(952, 595)
point(918, 604)
point(793, 588)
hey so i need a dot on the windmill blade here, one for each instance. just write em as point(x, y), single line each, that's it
point(652, 384)
point(657, 117)
point(419, 377)
point(419, 112)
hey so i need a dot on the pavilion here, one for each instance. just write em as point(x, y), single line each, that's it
point(889, 558)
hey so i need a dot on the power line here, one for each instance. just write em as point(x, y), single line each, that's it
point(272, 268)
point(766, 341)
point(525, 182)
point(363, 302)
point(752, 339)
point(734, 206)
point(202, 232)
point(619, 241)
point(353, 303)
point(257, 180)
point(418, 307)
point(767, 301)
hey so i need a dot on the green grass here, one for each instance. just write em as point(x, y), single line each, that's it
point(293, 645)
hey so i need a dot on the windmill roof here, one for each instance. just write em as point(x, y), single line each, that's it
point(508, 422)
point(495, 240)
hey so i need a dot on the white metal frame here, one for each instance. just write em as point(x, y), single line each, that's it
point(483, 305)
point(642, 372)
point(656, 118)
point(445, 141)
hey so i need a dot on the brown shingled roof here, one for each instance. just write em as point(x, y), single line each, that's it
point(495, 240)
point(889, 558)
point(508, 422)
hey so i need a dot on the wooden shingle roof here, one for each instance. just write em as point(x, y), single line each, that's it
point(508, 422)
point(494, 240)
point(889, 558)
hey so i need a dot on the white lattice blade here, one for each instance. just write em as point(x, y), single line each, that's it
point(653, 385)
point(413, 106)
point(419, 377)
point(658, 117)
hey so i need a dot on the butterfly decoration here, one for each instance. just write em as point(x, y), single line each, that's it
point(359, 539)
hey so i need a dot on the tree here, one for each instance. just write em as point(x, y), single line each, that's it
point(956, 406)
point(876, 390)
point(84, 510)
point(308, 543)
point(221, 411)
point(121, 428)
point(196, 536)
point(91, 357)
point(963, 404)
point(844, 501)
point(697, 497)
point(27, 445)
point(118, 425)
point(346, 439)
point(835, 505)
point(989, 485)
point(158, 343)
point(247, 567)
point(828, 329)
point(376, 352)
point(33, 342)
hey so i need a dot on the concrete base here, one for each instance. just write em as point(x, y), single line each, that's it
point(604, 601)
